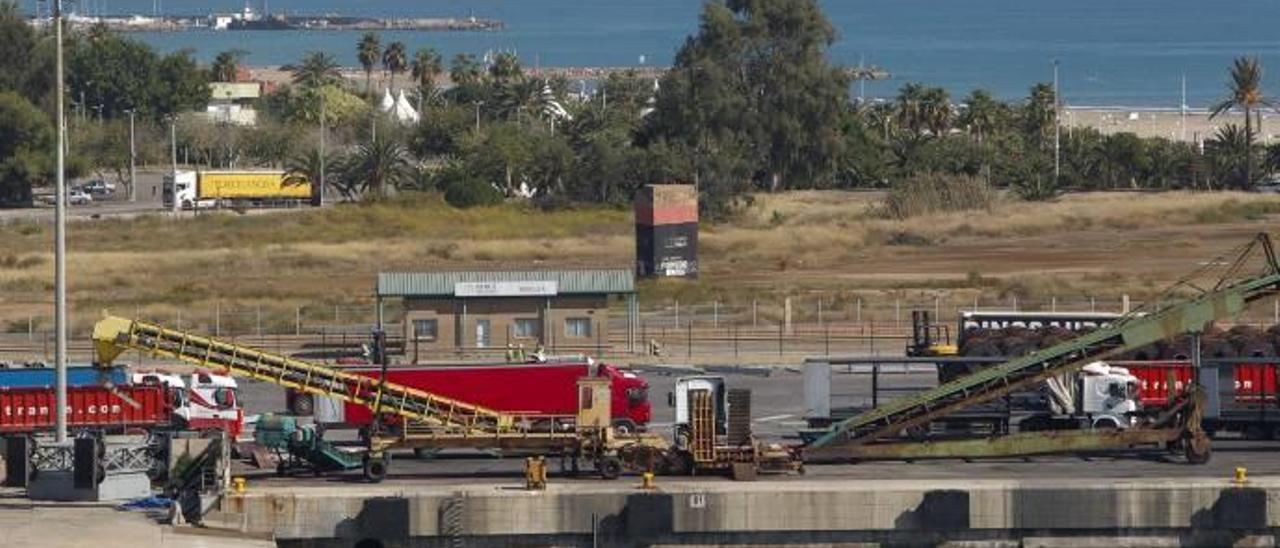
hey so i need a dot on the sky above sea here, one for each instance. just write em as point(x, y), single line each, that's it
point(1110, 52)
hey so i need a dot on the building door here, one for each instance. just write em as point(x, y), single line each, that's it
point(482, 334)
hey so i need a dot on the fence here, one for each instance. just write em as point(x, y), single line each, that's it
point(783, 329)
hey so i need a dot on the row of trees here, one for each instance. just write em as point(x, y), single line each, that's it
point(108, 77)
point(750, 105)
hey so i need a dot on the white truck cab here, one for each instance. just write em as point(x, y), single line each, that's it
point(186, 191)
point(678, 398)
point(203, 401)
point(1108, 395)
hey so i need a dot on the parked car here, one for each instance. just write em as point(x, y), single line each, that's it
point(1268, 187)
point(99, 187)
point(78, 197)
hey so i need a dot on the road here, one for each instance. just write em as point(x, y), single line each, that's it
point(114, 205)
point(778, 408)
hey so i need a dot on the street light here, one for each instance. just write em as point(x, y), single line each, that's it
point(322, 151)
point(173, 158)
point(60, 244)
point(133, 160)
point(1057, 126)
point(478, 104)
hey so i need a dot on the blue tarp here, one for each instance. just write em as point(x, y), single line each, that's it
point(149, 503)
point(43, 377)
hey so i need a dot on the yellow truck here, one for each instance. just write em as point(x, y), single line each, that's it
point(204, 189)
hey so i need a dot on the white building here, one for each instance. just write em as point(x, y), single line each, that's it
point(232, 102)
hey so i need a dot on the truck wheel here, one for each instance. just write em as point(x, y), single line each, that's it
point(375, 469)
point(1197, 449)
point(303, 405)
point(624, 426)
point(609, 467)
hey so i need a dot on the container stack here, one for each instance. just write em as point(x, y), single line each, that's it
point(667, 231)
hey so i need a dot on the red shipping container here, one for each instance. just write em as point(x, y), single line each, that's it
point(1159, 381)
point(655, 215)
point(1254, 382)
point(32, 410)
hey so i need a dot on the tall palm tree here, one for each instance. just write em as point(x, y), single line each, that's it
point(317, 69)
point(427, 66)
point(1228, 156)
point(375, 167)
point(1038, 114)
point(1245, 92)
point(982, 114)
point(936, 109)
point(369, 51)
point(909, 109)
point(464, 70)
point(226, 65)
point(395, 60)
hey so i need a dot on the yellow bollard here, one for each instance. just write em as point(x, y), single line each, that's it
point(646, 480)
point(238, 485)
point(1242, 474)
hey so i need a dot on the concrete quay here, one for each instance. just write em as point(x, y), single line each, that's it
point(774, 511)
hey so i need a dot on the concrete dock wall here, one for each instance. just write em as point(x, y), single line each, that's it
point(1152, 512)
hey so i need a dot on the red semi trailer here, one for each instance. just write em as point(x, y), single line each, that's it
point(1242, 397)
point(547, 389)
point(30, 410)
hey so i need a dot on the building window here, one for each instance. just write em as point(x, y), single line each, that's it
point(577, 327)
point(425, 330)
point(526, 328)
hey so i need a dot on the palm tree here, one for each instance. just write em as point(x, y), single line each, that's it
point(982, 114)
point(317, 69)
point(426, 68)
point(1228, 159)
point(936, 109)
point(395, 60)
point(505, 68)
point(376, 166)
point(1245, 92)
point(1038, 116)
point(909, 109)
point(226, 65)
point(369, 51)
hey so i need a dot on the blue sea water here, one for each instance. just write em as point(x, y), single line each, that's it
point(1111, 52)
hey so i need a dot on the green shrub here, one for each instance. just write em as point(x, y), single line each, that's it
point(466, 193)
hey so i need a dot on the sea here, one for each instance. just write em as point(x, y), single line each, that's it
point(1139, 53)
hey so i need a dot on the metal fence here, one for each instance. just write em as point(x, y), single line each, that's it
point(783, 328)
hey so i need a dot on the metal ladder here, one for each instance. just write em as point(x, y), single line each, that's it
point(114, 335)
point(1192, 316)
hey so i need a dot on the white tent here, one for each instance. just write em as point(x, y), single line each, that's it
point(387, 102)
point(403, 111)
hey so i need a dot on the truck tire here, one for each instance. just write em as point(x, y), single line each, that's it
point(624, 426)
point(609, 467)
point(1197, 449)
point(303, 405)
point(375, 469)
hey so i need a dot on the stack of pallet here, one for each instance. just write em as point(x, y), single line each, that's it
point(667, 231)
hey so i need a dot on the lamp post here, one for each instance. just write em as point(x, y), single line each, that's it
point(173, 159)
point(322, 151)
point(60, 243)
point(478, 105)
point(1057, 126)
point(133, 160)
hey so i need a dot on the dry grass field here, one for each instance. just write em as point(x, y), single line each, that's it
point(1079, 246)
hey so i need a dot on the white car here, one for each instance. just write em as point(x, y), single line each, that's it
point(78, 197)
point(99, 187)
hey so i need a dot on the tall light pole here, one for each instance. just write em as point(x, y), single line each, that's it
point(173, 159)
point(478, 104)
point(1057, 126)
point(60, 244)
point(322, 151)
point(133, 161)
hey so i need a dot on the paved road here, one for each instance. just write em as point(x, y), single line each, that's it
point(779, 408)
point(115, 205)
